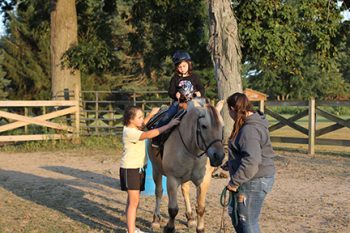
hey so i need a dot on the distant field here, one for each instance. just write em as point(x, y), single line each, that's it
point(322, 122)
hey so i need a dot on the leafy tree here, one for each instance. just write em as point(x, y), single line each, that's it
point(103, 52)
point(287, 41)
point(344, 50)
point(161, 28)
point(25, 48)
point(26, 45)
point(3, 83)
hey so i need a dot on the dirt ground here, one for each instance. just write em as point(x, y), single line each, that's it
point(78, 191)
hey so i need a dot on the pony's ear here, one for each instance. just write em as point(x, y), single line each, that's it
point(221, 119)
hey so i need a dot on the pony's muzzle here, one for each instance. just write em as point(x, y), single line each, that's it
point(216, 156)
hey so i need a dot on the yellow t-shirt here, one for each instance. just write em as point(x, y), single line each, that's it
point(134, 149)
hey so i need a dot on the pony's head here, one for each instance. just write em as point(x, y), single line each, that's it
point(208, 130)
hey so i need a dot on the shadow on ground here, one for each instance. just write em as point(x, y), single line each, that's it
point(66, 196)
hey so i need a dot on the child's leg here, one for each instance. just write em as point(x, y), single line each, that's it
point(126, 207)
point(174, 107)
point(133, 202)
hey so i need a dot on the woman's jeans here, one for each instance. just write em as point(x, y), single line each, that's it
point(249, 201)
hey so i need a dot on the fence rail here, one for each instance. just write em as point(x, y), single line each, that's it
point(312, 134)
point(103, 110)
point(13, 117)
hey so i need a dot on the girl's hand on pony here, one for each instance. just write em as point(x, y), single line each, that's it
point(174, 122)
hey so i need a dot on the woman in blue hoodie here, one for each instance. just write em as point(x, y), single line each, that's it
point(250, 164)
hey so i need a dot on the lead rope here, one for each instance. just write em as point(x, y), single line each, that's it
point(224, 201)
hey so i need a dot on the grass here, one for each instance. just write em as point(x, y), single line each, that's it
point(87, 142)
point(287, 131)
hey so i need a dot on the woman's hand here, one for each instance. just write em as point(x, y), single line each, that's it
point(232, 187)
point(178, 95)
point(198, 94)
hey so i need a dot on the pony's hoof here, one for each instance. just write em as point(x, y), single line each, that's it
point(191, 223)
point(155, 225)
point(169, 229)
point(200, 230)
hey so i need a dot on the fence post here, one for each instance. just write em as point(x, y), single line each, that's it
point(96, 113)
point(77, 114)
point(262, 105)
point(44, 112)
point(312, 128)
point(134, 98)
point(66, 97)
point(26, 114)
point(143, 105)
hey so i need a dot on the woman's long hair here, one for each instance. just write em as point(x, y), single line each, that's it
point(239, 103)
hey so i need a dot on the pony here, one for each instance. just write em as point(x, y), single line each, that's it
point(191, 151)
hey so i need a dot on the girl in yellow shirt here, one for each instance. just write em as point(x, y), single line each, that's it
point(134, 160)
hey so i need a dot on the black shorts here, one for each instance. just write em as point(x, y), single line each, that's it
point(132, 179)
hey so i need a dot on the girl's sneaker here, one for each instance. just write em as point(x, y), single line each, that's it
point(137, 230)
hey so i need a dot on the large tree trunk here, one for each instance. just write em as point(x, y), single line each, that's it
point(64, 34)
point(225, 49)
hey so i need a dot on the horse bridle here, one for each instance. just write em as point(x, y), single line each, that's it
point(199, 135)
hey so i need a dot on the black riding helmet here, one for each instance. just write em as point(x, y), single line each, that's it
point(180, 56)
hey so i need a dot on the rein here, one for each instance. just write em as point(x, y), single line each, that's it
point(198, 134)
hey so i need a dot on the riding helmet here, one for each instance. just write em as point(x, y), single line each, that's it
point(180, 56)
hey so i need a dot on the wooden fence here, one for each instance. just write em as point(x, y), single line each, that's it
point(16, 114)
point(312, 110)
point(101, 112)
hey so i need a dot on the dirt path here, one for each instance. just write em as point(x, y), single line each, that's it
point(78, 191)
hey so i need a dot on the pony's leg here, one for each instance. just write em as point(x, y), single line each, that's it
point(173, 209)
point(201, 194)
point(185, 188)
point(157, 178)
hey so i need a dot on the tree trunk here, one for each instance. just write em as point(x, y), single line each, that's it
point(64, 34)
point(224, 46)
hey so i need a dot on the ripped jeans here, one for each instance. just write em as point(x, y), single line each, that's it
point(249, 201)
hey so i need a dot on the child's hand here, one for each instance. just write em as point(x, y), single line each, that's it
point(174, 122)
point(198, 94)
point(154, 111)
point(177, 95)
point(219, 105)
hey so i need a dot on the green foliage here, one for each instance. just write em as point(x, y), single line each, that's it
point(25, 49)
point(95, 52)
point(3, 82)
point(161, 28)
point(293, 47)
